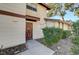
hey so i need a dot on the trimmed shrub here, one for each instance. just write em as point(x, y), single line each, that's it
point(52, 35)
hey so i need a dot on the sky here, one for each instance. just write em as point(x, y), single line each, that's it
point(68, 16)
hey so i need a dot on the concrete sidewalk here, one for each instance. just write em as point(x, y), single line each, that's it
point(36, 48)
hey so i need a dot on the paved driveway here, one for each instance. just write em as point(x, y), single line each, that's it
point(36, 48)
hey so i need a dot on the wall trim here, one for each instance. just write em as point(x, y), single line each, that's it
point(8, 13)
point(32, 18)
point(45, 5)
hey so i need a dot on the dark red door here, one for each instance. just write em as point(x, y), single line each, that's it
point(29, 28)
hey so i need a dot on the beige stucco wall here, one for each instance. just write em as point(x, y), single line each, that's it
point(65, 27)
point(50, 24)
point(19, 8)
point(12, 29)
point(61, 25)
point(53, 24)
point(37, 26)
point(56, 24)
point(41, 11)
point(70, 27)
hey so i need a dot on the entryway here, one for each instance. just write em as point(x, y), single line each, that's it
point(29, 30)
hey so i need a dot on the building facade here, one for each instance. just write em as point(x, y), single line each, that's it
point(12, 28)
point(57, 23)
point(35, 14)
point(21, 22)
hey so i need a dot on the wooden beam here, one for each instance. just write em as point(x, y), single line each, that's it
point(2, 12)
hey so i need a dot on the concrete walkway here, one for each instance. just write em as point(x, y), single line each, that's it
point(36, 48)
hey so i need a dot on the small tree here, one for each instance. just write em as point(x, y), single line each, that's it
point(73, 7)
point(56, 9)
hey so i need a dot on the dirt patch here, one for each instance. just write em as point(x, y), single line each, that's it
point(63, 47)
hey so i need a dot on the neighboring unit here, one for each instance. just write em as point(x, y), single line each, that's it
point(58, 23)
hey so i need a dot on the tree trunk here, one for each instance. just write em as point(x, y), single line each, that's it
point(62, 23)
point(62, 18)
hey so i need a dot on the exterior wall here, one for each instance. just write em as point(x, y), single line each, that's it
point(70, 27)
point(19, 8)
point(61, 25)
point(50, 24)
point(66, 27)
point(12, 29)
point(56, 25)
point(32, 13)
point(37, 26)
point(41, 11)
point(37, 29)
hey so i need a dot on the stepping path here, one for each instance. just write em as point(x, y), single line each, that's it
point(36, 48)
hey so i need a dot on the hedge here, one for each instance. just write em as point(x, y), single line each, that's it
point(53, 35)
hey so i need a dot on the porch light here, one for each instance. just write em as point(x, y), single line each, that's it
point(47, 11)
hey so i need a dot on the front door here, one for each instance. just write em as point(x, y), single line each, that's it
point(29, 28)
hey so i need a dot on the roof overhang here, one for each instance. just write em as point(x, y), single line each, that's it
point(32, 18)
point(45, 5)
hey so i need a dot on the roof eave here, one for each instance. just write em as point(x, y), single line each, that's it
point(45, 5)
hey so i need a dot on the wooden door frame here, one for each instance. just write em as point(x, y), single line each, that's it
point(26, 29)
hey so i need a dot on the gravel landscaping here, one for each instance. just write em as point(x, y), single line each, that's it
point(63, 47)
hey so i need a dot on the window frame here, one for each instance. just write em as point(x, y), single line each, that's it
point(30, 7)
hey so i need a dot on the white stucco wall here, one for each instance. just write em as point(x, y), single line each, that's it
point(12, 29)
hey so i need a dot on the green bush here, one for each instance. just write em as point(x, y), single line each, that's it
point(52, 35)
point(66, 34)
point(75, 48)
point(76, 40)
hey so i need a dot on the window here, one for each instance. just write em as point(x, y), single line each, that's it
point(31, 6)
